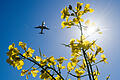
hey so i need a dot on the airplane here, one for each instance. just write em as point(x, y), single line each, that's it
point(42, 27)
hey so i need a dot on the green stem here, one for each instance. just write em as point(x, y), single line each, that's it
point(59, 69)
point(77, 76)
point(91, 69)
point(87, 65)
point(95, 63)
point(85, 53)
point(67, 76)
point(31, 67)
point(53, 71)
point(56, 72)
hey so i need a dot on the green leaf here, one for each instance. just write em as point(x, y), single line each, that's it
point(66, 45)
point(40, 52)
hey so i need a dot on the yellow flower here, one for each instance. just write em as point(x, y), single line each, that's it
point(70, 66)
point(79, 6)
point(83, 66)
point(43, 62)
point(80, 13)
point(87, 22)
point(75, 20)
point(95, 74)
point(76, 54)
point(65, 13)
point(26, 76)
point(51, 61)
point(23, 45)
point(63, 24)
point(72, 41)
point(87, 5)
point(30, 50)
point(99, 49)
point(100, 32)
point(58, 77)
point(19, 64)
point(88, 9)
point(79, 72)
point(70, 23)
point(67, 23)
point(13, 52)
point(91, 57)
point(24, 72)
point(91, 10)
point(34, 72)
point(86, 45)
point(45, 75)
point(28, 53)
point(104, 58)
point(82, 20)
point(74, 60)
point(60, 66)
point(61, 59)
point(11, 46)
point(37, 58)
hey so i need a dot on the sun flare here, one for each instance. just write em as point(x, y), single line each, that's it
point(91, 29)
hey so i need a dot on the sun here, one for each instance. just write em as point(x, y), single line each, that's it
point(91, 30)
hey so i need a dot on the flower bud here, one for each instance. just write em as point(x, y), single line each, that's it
point(72, 14)
point(70, 7)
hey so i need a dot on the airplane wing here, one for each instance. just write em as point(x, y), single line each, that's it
point(45, 27)
point(39, 27)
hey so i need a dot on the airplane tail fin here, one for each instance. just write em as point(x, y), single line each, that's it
point(41, 33)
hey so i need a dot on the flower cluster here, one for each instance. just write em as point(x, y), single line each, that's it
point(83, 48)
point(76, 15)
point(45, 65)
point(14, 58)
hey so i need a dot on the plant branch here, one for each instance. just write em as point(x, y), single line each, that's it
point(87, 65)
point(77, 76)
point(56, 72)
point(91, 69)
point(38, 65)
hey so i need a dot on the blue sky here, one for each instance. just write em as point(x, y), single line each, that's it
point(19, 17)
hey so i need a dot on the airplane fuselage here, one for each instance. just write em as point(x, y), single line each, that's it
point(42, 27)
